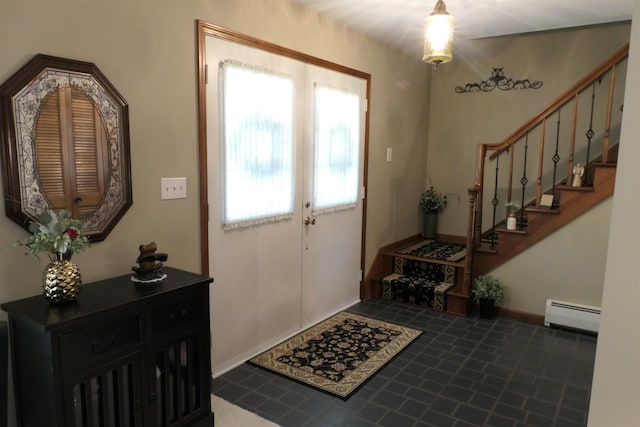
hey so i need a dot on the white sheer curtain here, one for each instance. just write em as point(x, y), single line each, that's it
point(256, 108)
point(337, 132)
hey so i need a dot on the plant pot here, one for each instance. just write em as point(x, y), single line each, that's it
point(511, 222)
point(61, 281)
point(486, 308)
point(430, 230)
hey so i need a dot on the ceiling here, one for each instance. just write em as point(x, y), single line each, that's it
point(401, 22)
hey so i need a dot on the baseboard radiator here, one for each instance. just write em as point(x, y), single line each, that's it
point(570, 315)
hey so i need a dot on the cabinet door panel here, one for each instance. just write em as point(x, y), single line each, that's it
point(109, 397)
point(179, 373)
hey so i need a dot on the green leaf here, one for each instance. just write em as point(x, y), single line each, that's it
point(45, 218)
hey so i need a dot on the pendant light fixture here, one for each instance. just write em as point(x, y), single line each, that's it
point(438, 36)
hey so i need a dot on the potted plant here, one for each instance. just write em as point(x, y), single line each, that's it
point(432, 203)
point(489, 292)
point(512, 208)
point(59, 236)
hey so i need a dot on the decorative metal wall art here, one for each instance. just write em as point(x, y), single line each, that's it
point(500, 81)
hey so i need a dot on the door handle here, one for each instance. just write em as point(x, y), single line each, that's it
point(309, 220)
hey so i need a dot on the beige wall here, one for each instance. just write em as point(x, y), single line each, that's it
point(147, 50)
point(616, 384)
point(459, 122)
point(567, 266)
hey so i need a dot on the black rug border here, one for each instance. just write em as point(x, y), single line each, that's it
point(327, 392)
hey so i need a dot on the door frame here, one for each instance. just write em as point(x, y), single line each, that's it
point(204, 29)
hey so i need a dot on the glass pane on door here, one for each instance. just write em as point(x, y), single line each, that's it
point(257, 144)
point(337, 139)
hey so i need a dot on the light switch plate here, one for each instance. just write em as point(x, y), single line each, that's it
point(173, 188)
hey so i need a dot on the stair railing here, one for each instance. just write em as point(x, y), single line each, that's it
point(543, 132)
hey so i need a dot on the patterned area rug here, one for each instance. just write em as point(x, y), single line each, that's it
point(338, 354)
point(435, 249)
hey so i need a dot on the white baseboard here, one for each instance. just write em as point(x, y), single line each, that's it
point(241, 358)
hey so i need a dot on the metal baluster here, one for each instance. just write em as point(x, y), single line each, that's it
point(589, 134)
point(524, 180)
point(495, 202)
point(556, 158)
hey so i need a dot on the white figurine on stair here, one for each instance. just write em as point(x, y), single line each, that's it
point(578, 172)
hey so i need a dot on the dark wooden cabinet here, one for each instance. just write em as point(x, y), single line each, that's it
point(122, 355)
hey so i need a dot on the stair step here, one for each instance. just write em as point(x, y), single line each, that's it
point(516, 231)
point(572, 188)
point(542, 210)
point(487, 250)
point(430, 260)
point(425, 269)
point(485, 247)
point(415, 290)
point(444, 252)
point(604, 165)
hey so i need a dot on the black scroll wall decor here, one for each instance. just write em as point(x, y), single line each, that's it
point(500, 81)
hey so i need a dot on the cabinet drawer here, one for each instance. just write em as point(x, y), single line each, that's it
point(84, 346)
point(177, 314)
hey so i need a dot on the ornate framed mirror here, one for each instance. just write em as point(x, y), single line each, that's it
point(64, 131)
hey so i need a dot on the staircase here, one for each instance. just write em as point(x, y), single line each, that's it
point(531, 167)
point(537, 162)
point(543, 221)
point(423, 273)
point(404, 272)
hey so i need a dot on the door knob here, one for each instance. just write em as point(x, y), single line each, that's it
point(309, 220)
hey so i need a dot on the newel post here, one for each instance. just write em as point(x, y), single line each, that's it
point(476, 220)
point(468, 257)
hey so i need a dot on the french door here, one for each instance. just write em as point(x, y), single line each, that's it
point(280, 271)
point(331, 249)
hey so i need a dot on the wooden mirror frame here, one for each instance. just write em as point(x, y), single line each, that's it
point(21, 99)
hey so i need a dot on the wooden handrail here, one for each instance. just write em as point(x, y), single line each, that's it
point(607, 130)
point(571, 93)
point(559, 102)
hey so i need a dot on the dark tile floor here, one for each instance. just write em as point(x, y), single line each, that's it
point(460, 372)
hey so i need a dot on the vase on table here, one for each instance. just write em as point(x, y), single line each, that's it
point(61, 279)
point(430, 230)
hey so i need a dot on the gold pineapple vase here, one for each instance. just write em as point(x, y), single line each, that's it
point(61, 281)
